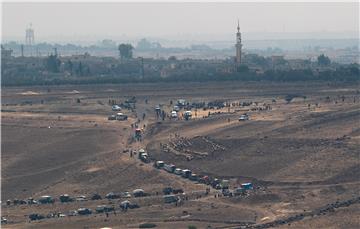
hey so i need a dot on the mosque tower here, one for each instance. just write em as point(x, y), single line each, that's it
point(238, 45)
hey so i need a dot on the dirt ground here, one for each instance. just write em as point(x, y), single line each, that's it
point(300, 155)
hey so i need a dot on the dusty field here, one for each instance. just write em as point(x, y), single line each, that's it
point(300, 157)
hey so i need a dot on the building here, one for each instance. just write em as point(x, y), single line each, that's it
point(5, 53)
point(238, 46)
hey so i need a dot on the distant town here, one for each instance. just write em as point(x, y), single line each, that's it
point(108, 62)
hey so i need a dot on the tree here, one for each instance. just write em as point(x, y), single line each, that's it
point(323, 60)
point(53, 63)
point(125, 51)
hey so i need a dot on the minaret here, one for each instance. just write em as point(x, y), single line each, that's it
point(238, 45)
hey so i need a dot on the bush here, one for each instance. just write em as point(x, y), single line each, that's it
point(192, 227)
point(147, 225)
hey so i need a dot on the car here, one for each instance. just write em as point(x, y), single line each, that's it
point(173, 114)
point(178, 171)
point(170, 199)
point(138, 193)
point(167, 190)
point(84, 211)
point(72, 213)
point(125, 195)
point(121, 117)
point(125, 204)
point(116, 108)
point(176, 108)
point(178, 191)
point(31, 201)
point(112, 117)
point(65, 198)
point(133, 206)
point(96, 197)
point(159, 164)
point(4, 220)
point(244, 117)
point(46, 200)
point(193, 177)
point(80, 198)
point(186, 173)
point(104, 208)
point(112, 195)
point(36, 216)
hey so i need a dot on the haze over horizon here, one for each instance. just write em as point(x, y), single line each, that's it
point(61, 22)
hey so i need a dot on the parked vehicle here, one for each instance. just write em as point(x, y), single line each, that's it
point(121, 117)
point(116, 108)
point(244, 117)
point(125, 204)
point(187, 115)
point(178, 191)
point(96, 197)
point(193, 177)
point(186, 173)
point(143, 156)
point(125, 195)
point(138, 193)
point(84, 211)
point(104, 208)
point(174, 114)
point(46, 200)
point(112, 195)
point(65, 198)
point(239, 191)
point(80, 198)
point(224, 184)
point(178, 171)
point(159, 164)
point(4, 220)
point(36, 216)
point(31, 201)
point(112, 117)
point(167, 190)
point(176, 108)
point(169, 168)
point(170, 199)
point(247, 186)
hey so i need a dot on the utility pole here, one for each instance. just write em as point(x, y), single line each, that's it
point(142, 67)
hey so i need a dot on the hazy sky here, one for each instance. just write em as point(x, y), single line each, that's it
point(209, 20)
